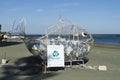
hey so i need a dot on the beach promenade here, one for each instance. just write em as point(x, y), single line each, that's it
point(17, 53)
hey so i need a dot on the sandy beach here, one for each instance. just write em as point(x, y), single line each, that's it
point(101, 54)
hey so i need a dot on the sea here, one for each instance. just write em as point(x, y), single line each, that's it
point(99, 38)
point(107, 38)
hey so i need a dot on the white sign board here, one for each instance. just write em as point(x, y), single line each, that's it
point(55, 56)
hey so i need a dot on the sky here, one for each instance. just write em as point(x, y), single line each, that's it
point(97, 16)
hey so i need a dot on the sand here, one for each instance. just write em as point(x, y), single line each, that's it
point(108, 55)
point(13, 49)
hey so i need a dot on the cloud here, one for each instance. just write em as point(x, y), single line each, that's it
point(70, 4)
point(63, 7)
point(15, 9)
point(39, 10)
point(66, 5)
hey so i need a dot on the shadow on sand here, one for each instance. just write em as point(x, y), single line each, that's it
point(5, 43)
point(27, 68)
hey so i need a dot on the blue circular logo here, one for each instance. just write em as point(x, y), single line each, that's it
point(55, 53)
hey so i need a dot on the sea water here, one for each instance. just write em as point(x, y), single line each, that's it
point(107, 38)
point(99, 38)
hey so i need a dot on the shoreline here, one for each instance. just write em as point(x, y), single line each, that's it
point(16, 48)
point(107, 45)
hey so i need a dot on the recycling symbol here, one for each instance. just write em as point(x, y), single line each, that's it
point(55, 53)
